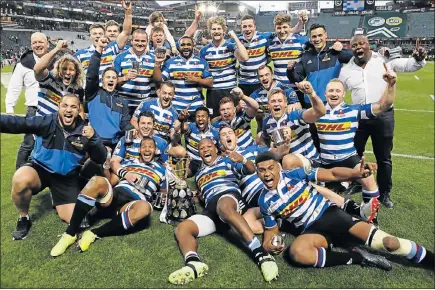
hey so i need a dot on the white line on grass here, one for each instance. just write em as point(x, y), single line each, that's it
point(432, 97)
point(409, 110)
point(407, 156)
point(416, 77)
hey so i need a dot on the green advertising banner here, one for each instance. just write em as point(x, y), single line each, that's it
point(385, 25)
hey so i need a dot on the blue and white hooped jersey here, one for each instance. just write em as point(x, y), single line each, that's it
point(132, 151)
point(186, 93)
point(220, 177)
point(257, 52)
point(241, 124)
point(84, 56)
point(141, 88)
point(51, 92)
point(250, 185)
point(295, 200)
point(337, 129)
point(163, 118)
point(221, 62)
point(260, 95)
point(193, 135)
point(107, 57)
point(282, 52)
point(153, 171)
point(301, 141)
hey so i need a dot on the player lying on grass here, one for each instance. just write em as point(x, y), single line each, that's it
point(317, 222)
point(251, 186)
point(62, 141)
point(129, 203)
point(218, 183)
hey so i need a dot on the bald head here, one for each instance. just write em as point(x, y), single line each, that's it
point(39, 44)
point(360, 49)
point(358, 37)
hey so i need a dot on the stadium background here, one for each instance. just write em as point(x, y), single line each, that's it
point(145, 259)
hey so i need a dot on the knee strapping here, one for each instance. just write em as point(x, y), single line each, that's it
point(106, 198)
point(376, 241)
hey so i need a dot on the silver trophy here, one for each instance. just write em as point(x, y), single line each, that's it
point(129, 136)
point(180, 202)
point(279, 136)
point(161, 52)
point(142, 184)
point(278, 240)
point(136, 66)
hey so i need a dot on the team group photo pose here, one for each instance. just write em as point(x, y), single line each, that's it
point(217, 144)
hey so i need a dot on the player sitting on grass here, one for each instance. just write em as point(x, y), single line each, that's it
point(129, 202)
point(317, 222)
point(218, 182)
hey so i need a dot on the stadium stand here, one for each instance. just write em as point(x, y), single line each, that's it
point(421, 24)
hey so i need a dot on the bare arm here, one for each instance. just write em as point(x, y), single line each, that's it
point(195, 24)
point(388, 96)
point(126, 26)
point(241, 53)
point(40, 67)
point(318, 108)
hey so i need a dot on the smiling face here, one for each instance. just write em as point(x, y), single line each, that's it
point(207, 151)
point(318, 38)
point(110, 80)
point(201, 120)
point(217, 32)
point(158, 38)
point(186, 47)
point(228, 138)
point(146, 125)
point(69, 108)
point(147, 150)
point(39, 44)
point(96, 33)
point(67, 72)
point(277, 105)
point(248, 28)
point(227, 111)
point(360, 49)
point(139, 42)
point(166, 95)
point(266, 77)
point(283, 30)
point(334, 93)
point(112, 32)
point(269, 173)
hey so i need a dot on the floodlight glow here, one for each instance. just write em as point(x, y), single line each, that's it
point(242, 8)
point(202, 8)
point(211, 9)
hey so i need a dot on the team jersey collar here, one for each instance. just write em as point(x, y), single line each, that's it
point(137, 57)
point(281, 184)
point(283, 117)
point(220, 45)
point(160, 105)
point(275, 83)
point(187, 59)
point(340, 106)
point(283, 41)
point(206, 130)
point(252, 39)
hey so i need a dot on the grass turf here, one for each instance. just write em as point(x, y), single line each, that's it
point(145, 259)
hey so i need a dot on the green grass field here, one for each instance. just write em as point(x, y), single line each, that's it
point(145, 259)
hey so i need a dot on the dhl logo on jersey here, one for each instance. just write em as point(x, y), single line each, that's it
point(143, 72)
point(193, 143)
point(85, 63)
point(239, 132)
point(144, 171)
point(293, 205)
point(161, 127)
point(106, 59)
point(256, 51)
point(333, 127)
point(53, 97)
point(285, 54)
point(208, 177)
point(180, 74)
point(220, 63)
point(130, 156)
point(264, 108)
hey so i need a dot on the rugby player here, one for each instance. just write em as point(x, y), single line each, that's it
point(221, 56)
point(62, 140)
point(217, 181)
point(164, 112)
point(317, 222)
point(297, 121)
point(128, 204)
point(240, 121)
point(65, 78)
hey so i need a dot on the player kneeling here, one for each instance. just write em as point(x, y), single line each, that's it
point(317, 222)
point(129, 202)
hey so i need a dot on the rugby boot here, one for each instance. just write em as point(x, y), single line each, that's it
point(22, 230)
point(268, 266)
point(369, 210)
point(372, 260)
point(386, 200)
point(354, 187)
point(188, 273)
point(63, 244)
point(88, 237)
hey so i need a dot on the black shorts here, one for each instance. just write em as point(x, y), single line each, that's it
point(213, 99)
point(210, 209)
point(349, 162)
point(194, 166)
point(249, 89)
point(334, 225)
point(64, 189)
point(253, 201)
point(122, 196)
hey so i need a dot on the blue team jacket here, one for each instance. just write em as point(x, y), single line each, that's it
point(108, 112)
point(319, 68)
point(55, 151)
